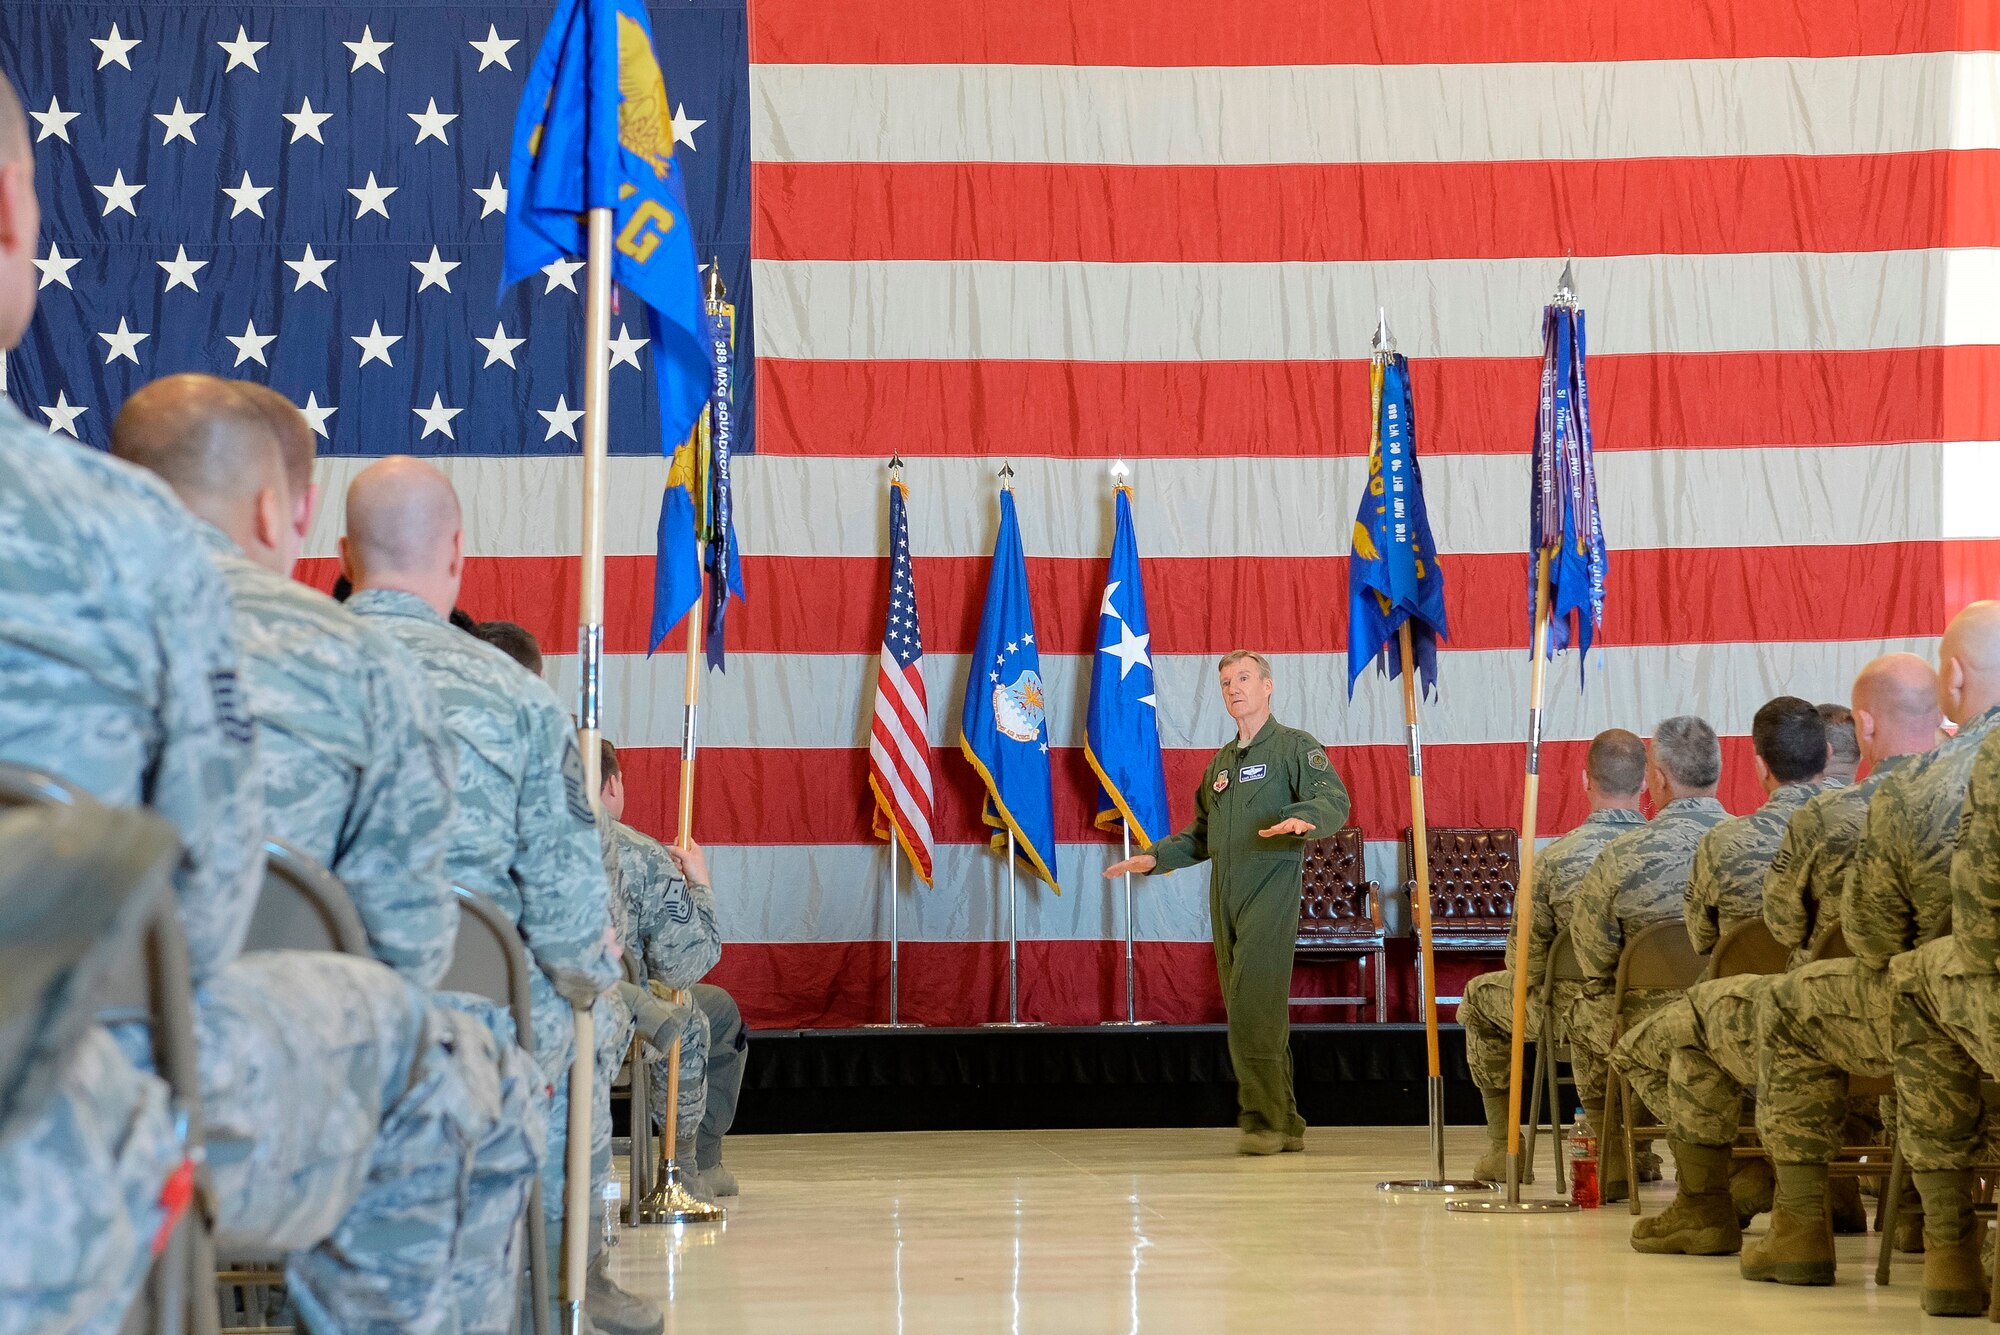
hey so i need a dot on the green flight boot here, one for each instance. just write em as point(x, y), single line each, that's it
point(1702, 1219)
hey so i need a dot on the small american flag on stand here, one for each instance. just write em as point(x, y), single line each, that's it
point(899, 757)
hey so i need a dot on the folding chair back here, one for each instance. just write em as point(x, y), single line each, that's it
point(303, 906)
point(1748, 947)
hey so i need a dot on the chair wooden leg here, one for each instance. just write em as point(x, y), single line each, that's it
point(1892, 1207)
point(1379, 963)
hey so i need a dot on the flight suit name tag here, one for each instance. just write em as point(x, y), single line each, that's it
point(1250, 772)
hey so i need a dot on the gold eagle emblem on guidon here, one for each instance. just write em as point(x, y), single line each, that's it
point(645, 122)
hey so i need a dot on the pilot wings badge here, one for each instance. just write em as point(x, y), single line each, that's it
point(1018, 710)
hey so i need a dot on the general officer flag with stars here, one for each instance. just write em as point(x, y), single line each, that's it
point(314, 196)
point(1004, 728)
point(1393, 575)
point(1122, 728)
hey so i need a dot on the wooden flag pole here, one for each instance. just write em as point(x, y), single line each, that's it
point(577, 1216)
point(1524, 891)
point(1524, 917)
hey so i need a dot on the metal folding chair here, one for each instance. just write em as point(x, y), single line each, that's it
point(490, 961)
point(1550, 1054)
point(303, 906)
point(637, 1089)
point(1658, 958)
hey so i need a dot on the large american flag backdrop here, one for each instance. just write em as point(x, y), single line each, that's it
point(1078, 230)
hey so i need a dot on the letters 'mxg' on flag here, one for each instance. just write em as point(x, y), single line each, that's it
point(1393, 574)
point(1563, 516)
point(1004, 727)
point(595, 130)
point(1122, 731)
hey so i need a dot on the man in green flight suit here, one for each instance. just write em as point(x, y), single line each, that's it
point(1260, 798)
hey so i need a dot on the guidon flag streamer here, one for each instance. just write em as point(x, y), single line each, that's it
point(1393, 575)
point(1563, 515)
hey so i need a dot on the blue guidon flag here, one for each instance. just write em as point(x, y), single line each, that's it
point(1122, 729)
point(1393, 576)
point(1563, 514)
point(1004, 728)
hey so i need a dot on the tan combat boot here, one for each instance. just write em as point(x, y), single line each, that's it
point(1798, 1246)
point(1954, 1277)
point(1260, 1142)
point(1750, 1188)
point(1844, 1205)
point(1492, 1165)
point(1702, 1219)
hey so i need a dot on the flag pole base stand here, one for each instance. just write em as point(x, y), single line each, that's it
point(1552, 1206)
point(1125, 1024)
point(670, 1202)
point(1014, 1024)
point(894, 1024)
point(1430, 1186)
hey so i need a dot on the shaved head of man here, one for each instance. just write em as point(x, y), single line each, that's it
point(404, 531)
point(295, 442)
point(20, 220)
point(1895, 703)
point(216, 449)
point(1969, 662)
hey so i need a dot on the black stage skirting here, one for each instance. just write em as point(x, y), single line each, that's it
point(986, 1079)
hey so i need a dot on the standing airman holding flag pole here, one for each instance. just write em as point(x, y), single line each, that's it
point(1566, 542)
point(1395, 588)
point(592, 172)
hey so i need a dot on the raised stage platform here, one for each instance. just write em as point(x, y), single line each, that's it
point(808, 1080)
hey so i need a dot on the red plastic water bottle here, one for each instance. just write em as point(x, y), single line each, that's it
point(1582, 1166)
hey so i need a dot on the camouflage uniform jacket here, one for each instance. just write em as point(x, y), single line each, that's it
point(358, 767)
point(1899, 890)
point(1975, 864)
point(1559, 871)
point(1639, 879)
point(1802, 890)
point(526, 836)
point(672, 923)
point(121, 670)
point(1727, 886)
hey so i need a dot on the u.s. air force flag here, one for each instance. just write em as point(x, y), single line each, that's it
point(594, 131)
point(1392, 572)
point(1004, 728)
point(1122, 729)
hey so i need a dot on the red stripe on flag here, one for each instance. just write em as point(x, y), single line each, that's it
point(1196, 409)
point(831, 605)
point(1309, 212)
point(1378, 32)
point(771, 795)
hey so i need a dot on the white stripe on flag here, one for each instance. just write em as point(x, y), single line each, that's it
point(1363, 113)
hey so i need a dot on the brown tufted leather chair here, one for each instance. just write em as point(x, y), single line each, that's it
point(1340, 916)
point(1472, 888)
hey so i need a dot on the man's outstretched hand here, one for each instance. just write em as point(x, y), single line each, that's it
point(1289, 825)
point(1138, 862)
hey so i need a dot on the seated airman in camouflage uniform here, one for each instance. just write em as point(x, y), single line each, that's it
point(526, 835)
point(1639, 879)
point(1614, 772)
point(1842, 745)
point(1947, 1014)
point(358, 769)
point(1691, 1061)
point(1832, 1018)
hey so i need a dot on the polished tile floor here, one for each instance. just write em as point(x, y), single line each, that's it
point(1089, 1231)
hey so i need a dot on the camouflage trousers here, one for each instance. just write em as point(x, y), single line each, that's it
point(1487, 1012)
point(80, 1196)
point(1590, 1026)
point(1822, 1021)
point(1691, 1061)
point(693, 1091)
point(382, 1140)
point(1947, 1035)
